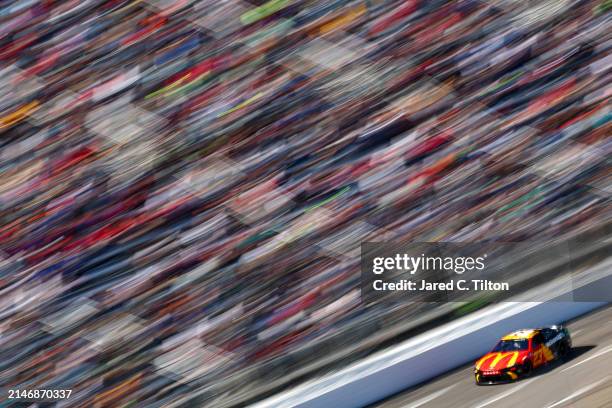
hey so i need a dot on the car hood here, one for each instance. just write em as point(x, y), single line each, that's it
point(501, 360)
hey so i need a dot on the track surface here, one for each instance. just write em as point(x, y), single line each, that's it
point(584, 381)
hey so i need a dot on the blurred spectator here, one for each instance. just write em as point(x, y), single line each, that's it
point(185, 185)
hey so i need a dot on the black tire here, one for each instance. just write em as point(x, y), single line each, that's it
point(564, 351)
point(527, 369)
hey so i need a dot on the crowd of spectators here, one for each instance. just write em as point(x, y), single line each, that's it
point(184, 185)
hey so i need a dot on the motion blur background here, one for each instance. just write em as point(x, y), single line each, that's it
point(185, 184)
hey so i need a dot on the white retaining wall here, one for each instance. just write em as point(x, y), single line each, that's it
point(442, 349)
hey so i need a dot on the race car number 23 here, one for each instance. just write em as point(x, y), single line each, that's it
point(538, 357)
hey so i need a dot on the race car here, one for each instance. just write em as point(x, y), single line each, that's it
point(519, 353)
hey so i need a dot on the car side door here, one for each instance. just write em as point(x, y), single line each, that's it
point(541, 353)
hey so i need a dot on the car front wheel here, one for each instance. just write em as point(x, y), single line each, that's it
point(527, 369)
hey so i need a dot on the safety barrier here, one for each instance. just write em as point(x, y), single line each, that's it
point(447, 347)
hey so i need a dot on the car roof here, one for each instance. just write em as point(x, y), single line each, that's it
point(521, 334)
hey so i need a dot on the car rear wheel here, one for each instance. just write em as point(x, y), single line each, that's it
point(564, 351)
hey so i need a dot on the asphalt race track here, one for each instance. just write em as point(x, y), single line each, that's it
point(584, 381)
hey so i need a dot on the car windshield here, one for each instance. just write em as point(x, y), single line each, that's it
point(512, 345)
